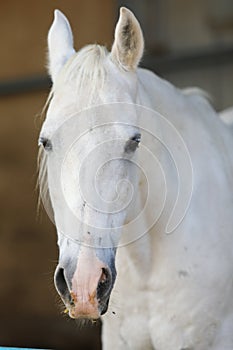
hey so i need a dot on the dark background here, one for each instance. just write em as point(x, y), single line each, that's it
point(189, 42)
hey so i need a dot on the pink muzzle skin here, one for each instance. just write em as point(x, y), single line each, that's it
point(87, 276)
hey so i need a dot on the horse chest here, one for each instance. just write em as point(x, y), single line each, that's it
point(180, 306)
point(166, 319)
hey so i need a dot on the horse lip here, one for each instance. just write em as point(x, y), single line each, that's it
point(76, 310)
point(77, 315)
point(70, 309)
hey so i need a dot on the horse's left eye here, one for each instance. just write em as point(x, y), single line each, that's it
point(133, 143)
point(46, 143)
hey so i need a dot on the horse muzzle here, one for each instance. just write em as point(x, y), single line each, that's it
point(87, 294)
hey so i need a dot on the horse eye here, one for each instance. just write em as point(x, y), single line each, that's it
point(133, 143)
point(46, 143)
point(136, 138)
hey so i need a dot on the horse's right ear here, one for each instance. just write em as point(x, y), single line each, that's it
point(128, 45)
point(60, 44)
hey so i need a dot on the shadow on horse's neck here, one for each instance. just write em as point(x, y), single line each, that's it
point(138, 252)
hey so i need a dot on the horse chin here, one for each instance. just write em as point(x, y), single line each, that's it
point(91, 317)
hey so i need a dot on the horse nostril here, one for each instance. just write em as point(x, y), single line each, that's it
point(61, 284)
point(104, 276)
point(104, 283)
point(105, 308)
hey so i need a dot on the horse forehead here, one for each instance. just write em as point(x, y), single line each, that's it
point(116, 85)
point(100, 123)
point(67, 101)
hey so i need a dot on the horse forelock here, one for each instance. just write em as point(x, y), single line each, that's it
point(84, 70)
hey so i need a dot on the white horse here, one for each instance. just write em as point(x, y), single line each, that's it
point(150, 227)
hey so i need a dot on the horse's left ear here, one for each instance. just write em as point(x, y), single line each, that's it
point(60, 43)
point(128, 45)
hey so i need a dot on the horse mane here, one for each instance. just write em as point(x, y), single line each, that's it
point(42, 180)
point(84, 69)
point(189, 91)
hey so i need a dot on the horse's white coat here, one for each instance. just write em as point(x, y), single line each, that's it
point(172, 292)
point(227, 116)
point(181, 294)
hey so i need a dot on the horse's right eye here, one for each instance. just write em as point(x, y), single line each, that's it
point(133, 143)
point(46, 143)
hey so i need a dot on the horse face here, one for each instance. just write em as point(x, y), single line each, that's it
point(92, 184)
point(89, 161)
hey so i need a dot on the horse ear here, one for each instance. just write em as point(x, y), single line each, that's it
point(128, 45)
point(60, 43)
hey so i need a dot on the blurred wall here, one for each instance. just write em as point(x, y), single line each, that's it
point(31, 314)
point(190, 43)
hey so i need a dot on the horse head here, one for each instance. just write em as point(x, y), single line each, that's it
point(89, 140)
